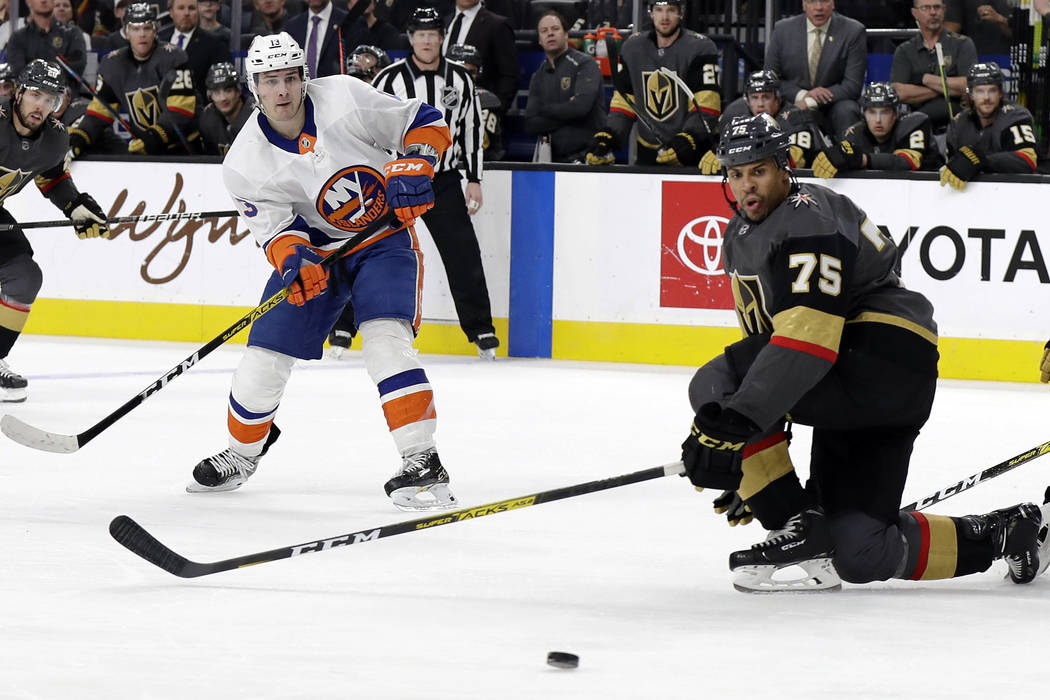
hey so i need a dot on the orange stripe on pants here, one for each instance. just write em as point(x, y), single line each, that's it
point(247, 434)
point(409, 409)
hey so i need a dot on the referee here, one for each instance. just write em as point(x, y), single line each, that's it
point(449, 87)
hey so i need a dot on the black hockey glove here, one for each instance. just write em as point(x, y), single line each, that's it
point(89, 221)
point(841, 157)
point(153, 142)
point(714, 451)
point(737, 512)
point(78, 141)
point(962, 167)
point(1044, 366)
point(600, 150)
point(680, 150)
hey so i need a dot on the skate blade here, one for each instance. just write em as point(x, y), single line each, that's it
point(819, 577)
point(488, 354)
point(194, 487)
point(13, 395)
point(415, 498)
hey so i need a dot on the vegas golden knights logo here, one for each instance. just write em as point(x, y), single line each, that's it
point(751, 305)
point(144, 105)
point(661, 94)
point(11, 181)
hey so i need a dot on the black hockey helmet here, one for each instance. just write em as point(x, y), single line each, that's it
point(41, 75)
point(680, 4)
point(222, 75)
point(464, 53)
point(355, 67)
point(140, 13)
point(425, 18)
point(750, 139)
point(763, 81)
point(879, 95)
point(984, 74)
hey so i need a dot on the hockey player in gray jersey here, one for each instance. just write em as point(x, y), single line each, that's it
point(833, 339)
point(762, 92)
point(884, 140)
point(227, 110)
point(33, 146)
point(994, 135)
point(675, 127)
point(149, 81)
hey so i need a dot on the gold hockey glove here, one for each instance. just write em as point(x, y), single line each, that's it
point(737, 512)
point(1044, 367)
point(710, 165)
point(680, 150)
point(89, 221)
point(600, 150)
point(962, 167)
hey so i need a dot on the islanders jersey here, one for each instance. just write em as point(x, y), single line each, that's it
point(327, 185)
point(814, 266)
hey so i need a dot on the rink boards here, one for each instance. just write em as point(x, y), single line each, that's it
point(580, 264)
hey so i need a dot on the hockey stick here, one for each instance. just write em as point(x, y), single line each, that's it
point(135, 538)
point(980, 477)
point(944, 80)
point(141, 218)
point(69, 69)
point(38, 439)
point(139, 541)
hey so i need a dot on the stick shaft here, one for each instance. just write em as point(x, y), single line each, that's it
point(980, 477)
point(136, 539)
point(141, 218)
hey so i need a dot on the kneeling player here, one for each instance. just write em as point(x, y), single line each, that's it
point(307, 175)
point(884, 140)
point(835, 340)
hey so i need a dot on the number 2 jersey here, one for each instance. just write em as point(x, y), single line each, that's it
point(809, 275)
point(910, 145)
point(327, 185)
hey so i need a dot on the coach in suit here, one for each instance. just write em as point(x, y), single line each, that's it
point(492, 36)
point(821, 58)
point(328, 53)
point(202, 47)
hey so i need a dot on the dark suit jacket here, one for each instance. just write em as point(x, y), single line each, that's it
point(203, 50)
point(843, 60)
point(493, 37)
point(329, 53)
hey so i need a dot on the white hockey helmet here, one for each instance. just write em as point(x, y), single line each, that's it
point(274, 52)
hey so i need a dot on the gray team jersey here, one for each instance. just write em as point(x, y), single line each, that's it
point(1008, 143)
point(668, 110)
point(815, 264)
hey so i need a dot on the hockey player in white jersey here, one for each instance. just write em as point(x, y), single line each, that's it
point(307, 172)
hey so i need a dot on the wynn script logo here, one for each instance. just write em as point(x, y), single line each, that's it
point(163, 264)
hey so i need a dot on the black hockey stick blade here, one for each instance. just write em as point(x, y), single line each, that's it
point(30, 436)
point(140, 218)
point(139, 541)
point(980, 477)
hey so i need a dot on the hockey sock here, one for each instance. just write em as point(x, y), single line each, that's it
point(942, 547)
point(13, 317)
point(258, 385)
point(770, 485)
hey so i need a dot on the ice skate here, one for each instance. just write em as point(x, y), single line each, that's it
point(1015, 533)
point(12, 385)
point(340, 342)
point(1043, 538)
point(227, 470)
point(803, 542)
point(487, 344)
point(421, 483)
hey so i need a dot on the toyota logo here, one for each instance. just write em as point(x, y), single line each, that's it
point(704, 233)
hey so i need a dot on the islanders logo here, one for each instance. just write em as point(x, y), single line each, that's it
point(352, 198)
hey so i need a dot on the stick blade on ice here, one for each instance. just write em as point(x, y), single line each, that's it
point(25, 434)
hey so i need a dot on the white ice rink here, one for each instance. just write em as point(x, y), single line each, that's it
point(633, 580)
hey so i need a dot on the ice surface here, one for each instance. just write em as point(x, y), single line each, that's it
point(633, 580)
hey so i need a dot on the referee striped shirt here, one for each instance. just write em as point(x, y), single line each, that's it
point(449, 89)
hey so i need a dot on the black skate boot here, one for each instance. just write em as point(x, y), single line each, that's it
point(1014, 533)
point(12, 385)
point(421, 483)
point(340, 342)
point(804, 541)
point(487, 344)
point(227, 470)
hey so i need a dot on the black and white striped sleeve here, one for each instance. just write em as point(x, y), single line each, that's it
point(470, 137)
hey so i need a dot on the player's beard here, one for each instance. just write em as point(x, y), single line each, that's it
point(23, 118)
point(670, 32)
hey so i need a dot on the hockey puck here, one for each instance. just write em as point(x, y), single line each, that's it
point(562, 659)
